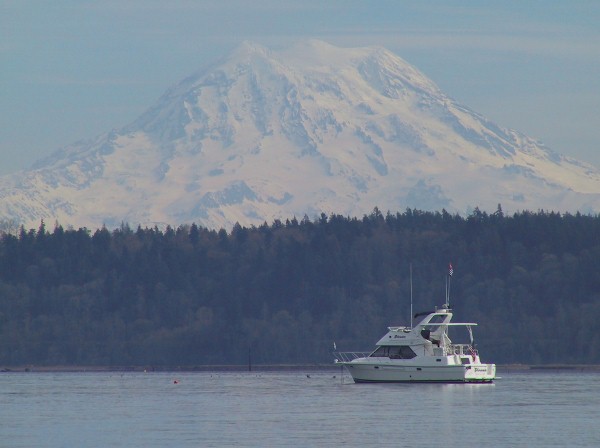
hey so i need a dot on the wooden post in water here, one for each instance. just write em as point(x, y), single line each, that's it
point(249, 359)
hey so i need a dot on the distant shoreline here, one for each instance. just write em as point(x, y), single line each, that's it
point(267, 368)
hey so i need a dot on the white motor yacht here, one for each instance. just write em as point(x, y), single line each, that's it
point(422, 354)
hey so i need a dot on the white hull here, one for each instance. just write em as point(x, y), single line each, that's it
point(386, 373)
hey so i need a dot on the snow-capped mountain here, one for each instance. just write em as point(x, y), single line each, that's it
point(315, 128)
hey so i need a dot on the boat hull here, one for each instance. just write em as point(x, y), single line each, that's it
point(381, 373)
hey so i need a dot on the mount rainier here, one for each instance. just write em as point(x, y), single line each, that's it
point(264, 135)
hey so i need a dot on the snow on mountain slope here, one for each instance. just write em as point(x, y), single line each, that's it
point(262, 135)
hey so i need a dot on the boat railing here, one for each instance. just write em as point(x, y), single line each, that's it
point(460, 349)
point(349, 356)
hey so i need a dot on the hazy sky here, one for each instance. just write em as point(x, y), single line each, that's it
point(73, 69)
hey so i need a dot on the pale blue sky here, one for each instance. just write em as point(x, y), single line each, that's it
point(71, 70)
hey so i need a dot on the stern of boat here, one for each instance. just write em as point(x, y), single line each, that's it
point(480, 373)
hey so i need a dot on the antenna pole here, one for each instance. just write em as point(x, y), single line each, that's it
point(411, 297)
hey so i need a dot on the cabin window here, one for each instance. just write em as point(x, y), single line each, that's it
point(407, 352)
point(394, 352)
point(381, 352)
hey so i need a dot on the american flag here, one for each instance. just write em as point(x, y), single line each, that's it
point(450, 270)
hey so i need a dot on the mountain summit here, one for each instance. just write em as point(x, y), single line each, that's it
point(315, 128)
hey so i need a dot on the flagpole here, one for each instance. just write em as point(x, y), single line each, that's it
point(448, 298)
point(446, 290)
point(448, 281)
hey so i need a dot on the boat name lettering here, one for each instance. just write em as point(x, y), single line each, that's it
point(398, 337)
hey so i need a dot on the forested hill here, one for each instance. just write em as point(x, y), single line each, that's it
point(286, 291)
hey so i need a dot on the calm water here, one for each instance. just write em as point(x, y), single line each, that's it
point(278, 409)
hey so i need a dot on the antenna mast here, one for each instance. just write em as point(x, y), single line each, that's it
point(411, 297)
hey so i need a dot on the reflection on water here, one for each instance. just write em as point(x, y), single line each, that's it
point(298, 408)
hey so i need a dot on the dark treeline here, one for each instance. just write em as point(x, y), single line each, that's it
point(285, 292)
